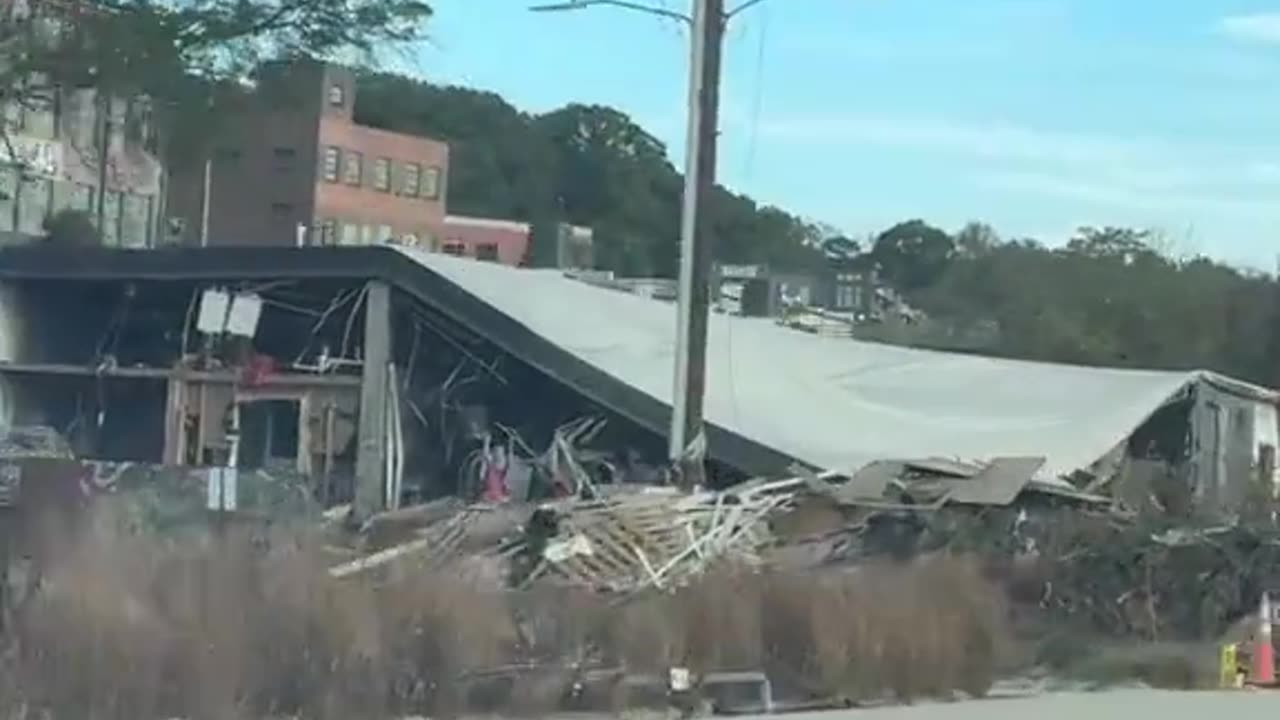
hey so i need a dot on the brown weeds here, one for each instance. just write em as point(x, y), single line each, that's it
point(246, 625)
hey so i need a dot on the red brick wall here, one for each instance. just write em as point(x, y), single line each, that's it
point(475, 235)
point(418, 216)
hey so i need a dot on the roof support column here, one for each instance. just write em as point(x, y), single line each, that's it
point(371, 453)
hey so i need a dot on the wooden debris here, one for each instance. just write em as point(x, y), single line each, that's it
point(660, 539)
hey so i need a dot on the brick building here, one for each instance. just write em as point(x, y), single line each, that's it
point(503, 241)
point(291, 166)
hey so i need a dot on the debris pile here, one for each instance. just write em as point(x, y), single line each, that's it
point(654, 537)
point(1080, 557)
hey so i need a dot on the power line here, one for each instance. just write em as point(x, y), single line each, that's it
point(688, 440)
point(640, 7)
point(623, 4)
point(747, 5)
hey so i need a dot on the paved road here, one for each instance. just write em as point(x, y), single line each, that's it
point(1112, 705)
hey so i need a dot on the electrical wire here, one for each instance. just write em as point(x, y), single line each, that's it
point(342, 298)
point(753, 134)
point(351, 321)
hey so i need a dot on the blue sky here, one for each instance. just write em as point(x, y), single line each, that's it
point(1036, 116)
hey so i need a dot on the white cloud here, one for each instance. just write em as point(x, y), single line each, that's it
point(1115, 193)
point(990, 141)
point(1257, 27)
point(1142, 164)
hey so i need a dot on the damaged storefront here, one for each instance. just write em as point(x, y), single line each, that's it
point(367, 393)
point(387, 375)
point(493, 438)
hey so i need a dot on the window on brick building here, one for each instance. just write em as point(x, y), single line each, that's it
point(431, 183)
point(337, 95)
point(382, 174)
point(454, 248)
point(284, 157)
point(328, 232)
point(332, 157)
point(487, 251)
point(412, 179)
point(353, 168)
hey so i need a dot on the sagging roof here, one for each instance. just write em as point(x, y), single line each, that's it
point(773, 394)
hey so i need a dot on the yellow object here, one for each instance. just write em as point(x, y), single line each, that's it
point(1228, 669)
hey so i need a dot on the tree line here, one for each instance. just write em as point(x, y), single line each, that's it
point(1110, 296)
point(583, 164)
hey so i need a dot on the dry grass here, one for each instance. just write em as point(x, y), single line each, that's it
point(925, 629)
point(239, 627)
point(246, 626)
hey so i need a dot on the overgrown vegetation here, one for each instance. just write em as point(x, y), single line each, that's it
point(126, 627)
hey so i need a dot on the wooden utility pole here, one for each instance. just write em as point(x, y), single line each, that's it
point(687, 441)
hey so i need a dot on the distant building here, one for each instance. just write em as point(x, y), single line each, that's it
point(757, 290)
point(291, 166)
point(501, 241)
point(511, 243)
point(575, 247)
point(50, 160)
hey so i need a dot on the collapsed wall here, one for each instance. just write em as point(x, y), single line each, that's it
point(11, 334)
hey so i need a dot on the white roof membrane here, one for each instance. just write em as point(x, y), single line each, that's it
point(832, 402)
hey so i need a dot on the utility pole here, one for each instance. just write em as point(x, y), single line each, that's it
point(687, 441)
point(206, 185)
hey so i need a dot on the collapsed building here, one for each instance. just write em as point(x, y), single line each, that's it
point(385, 374)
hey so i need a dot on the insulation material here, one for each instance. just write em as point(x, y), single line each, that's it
point(834, 402)
point(213, 311)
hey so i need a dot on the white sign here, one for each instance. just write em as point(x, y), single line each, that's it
point(221, 490)
point(42, 157)
point(221, 312)
point(213, 312)
point(246, 310)
point(680, 679)
point(741, 272)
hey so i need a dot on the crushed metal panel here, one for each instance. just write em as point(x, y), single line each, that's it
point(870, 482)
point(999, 483)
point(945, 466)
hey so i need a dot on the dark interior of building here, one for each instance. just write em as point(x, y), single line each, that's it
point(100, 356)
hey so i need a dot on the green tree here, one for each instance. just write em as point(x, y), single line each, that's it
point(583, 164)
point(913, 255)
point(976, 238)
point(71, 228)
point(1110, 298)
point(176, 54)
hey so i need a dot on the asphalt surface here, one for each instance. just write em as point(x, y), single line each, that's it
point(1116, 704)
